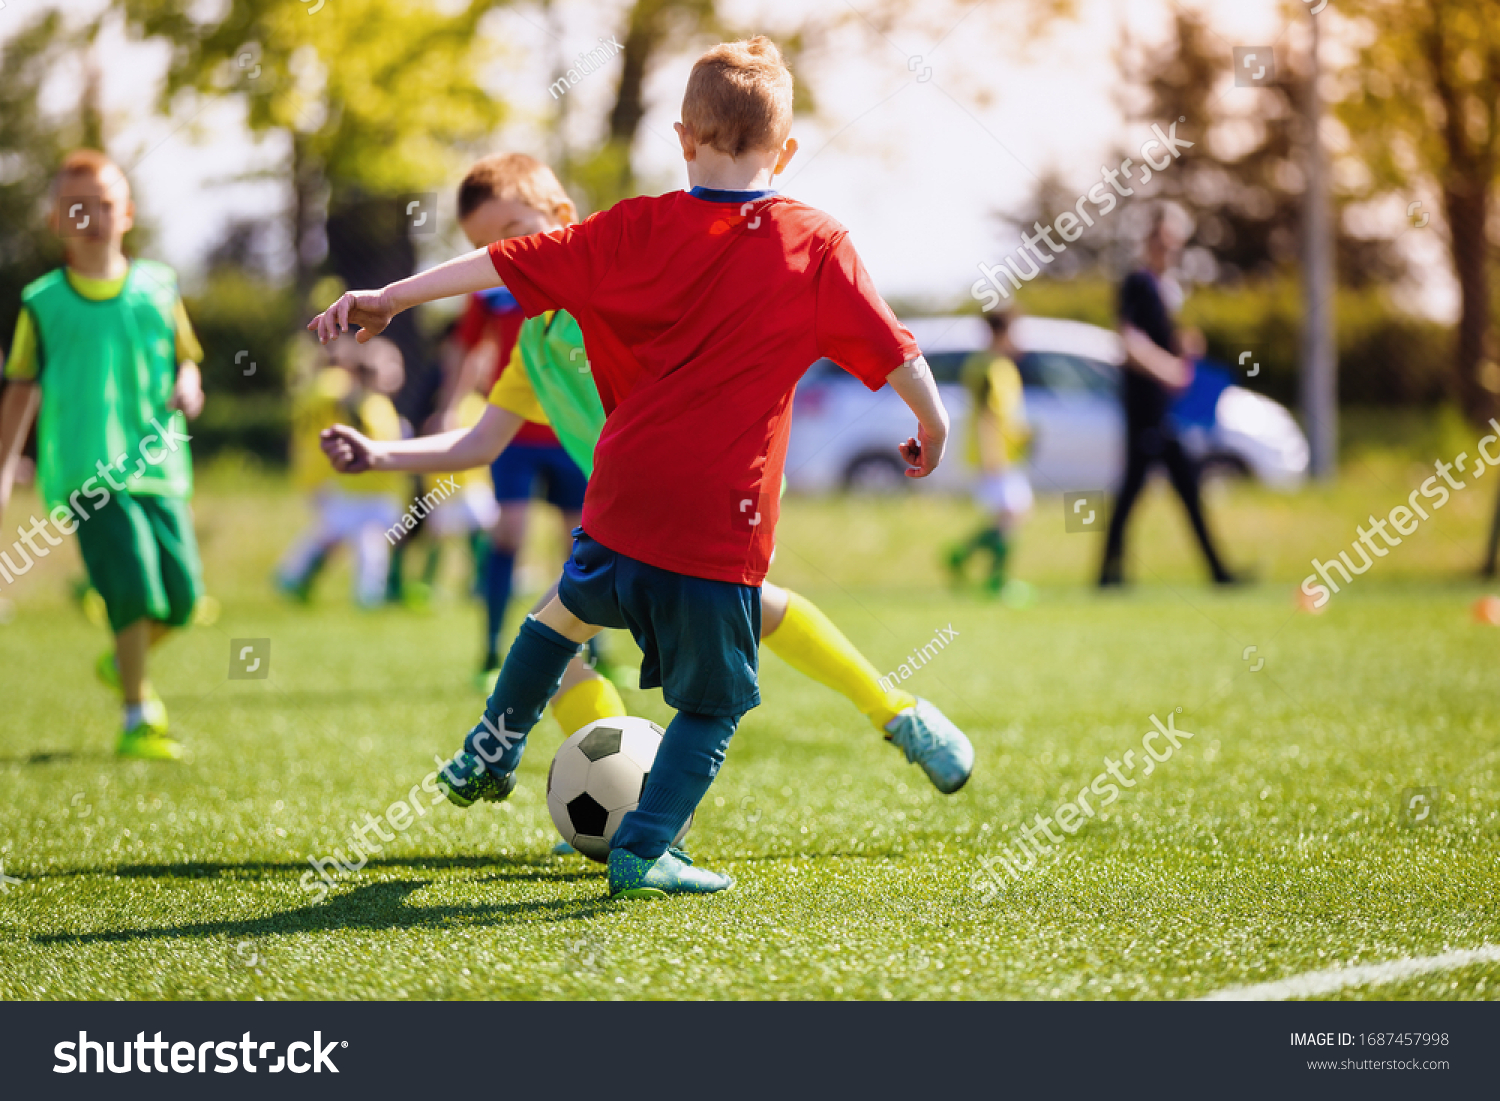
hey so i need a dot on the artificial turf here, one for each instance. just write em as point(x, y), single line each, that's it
point(1273, 841)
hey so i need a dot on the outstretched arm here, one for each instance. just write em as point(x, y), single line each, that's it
point(913, 381)
point(372, 310)
point(350, 452)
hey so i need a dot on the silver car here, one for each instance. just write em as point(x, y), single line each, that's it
point(844, 437)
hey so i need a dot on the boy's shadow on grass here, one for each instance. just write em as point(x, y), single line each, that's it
point(43, 757)
point(373, 906)
point(529, 869)
point(370, 906)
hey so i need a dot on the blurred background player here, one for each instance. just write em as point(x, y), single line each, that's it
point(998, 439)
point(464, 515)
point(535, 465)
point(105, 355)
point(1155, 374)
point(353, 387)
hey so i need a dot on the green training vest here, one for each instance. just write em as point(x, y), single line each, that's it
point(107, 370)
point(552, 353)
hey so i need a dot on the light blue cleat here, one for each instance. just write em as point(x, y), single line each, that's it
point(671, 873)
point(929, 738)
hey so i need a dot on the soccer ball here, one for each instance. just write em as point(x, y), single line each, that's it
point(597, 778)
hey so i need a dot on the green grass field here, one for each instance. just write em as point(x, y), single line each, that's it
point(1272, 843)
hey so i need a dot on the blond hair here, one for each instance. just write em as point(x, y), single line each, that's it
point(515, 176)
point(739, 97)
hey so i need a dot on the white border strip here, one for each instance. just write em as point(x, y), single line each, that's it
point(1331, 981)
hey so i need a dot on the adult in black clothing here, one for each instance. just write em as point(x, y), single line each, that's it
point(1154, 374)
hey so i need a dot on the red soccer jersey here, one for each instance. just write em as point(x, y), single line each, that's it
point(699, 316)
point(497, 315)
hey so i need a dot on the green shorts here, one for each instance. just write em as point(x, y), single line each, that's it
point(142, 556)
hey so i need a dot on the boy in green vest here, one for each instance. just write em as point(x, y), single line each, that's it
point(104, 355)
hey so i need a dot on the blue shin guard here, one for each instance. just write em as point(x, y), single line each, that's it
point(686, 763)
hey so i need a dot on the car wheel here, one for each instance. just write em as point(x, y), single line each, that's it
point(875, 473)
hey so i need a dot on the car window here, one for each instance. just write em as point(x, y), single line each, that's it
point(1063, 373)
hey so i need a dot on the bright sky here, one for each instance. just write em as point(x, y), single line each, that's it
point(914, 167)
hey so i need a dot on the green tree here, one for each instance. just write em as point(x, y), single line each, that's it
point(31, 147)
point(376, 97)
point(1423, 110)
point(1242, 181)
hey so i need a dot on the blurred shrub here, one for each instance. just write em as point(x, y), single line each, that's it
point(254, 424)
point(1386, 356)
point(1088, 298)
point(246, 325)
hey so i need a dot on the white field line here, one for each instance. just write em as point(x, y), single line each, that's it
point(1334, 979)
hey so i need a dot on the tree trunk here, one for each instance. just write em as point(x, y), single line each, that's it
point(1467, 205)
point(643, 36)
point(369, 245)
point(308, 240)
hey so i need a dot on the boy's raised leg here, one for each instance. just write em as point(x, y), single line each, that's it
point(811, 644)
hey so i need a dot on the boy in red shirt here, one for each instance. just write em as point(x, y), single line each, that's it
point(700, 311)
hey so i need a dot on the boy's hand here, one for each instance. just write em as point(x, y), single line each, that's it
point(187, 394)
point(923, 452)
point(370, 310)
point(914, 383)
point(349, 451)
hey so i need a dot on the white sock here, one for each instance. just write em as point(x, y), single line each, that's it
point(135, 713)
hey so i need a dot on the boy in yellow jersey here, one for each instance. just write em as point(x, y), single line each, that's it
point(362, 512)
point(104, 354)
point(998, 438)
point(548, 381)
point(464, 507)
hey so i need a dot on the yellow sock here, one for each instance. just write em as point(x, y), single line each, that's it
point(595, 698)
point(809, 642)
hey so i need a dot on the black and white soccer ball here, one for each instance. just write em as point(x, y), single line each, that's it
point(597, 778)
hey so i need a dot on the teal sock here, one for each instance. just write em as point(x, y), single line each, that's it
point(686, 763)
point(529, 678)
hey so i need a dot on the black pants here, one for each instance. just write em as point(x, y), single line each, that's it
point(1145, 448)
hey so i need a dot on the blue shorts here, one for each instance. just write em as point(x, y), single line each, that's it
point(700, 638)
point(520, 467)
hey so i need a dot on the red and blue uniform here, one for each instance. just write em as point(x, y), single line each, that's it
point(700, 312)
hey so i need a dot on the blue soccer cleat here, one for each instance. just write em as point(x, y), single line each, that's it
point(671, 873)
point(465, 781)
point(929, 738)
